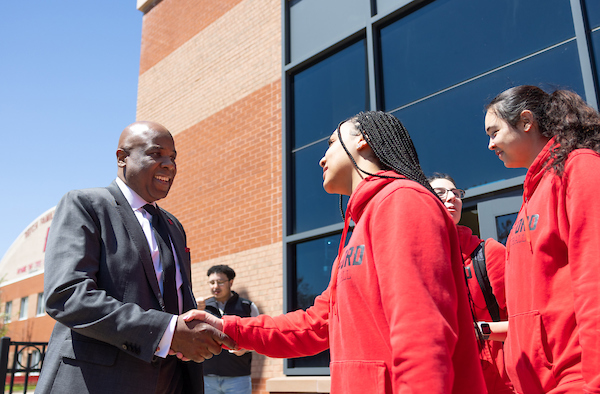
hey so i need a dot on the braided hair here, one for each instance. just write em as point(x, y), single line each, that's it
point(391, 143)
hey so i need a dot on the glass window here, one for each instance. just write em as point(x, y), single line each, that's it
point(314, 207)
point(40, 311)
point(323, 95)
point(312, 272)
point(448, 130)
point(504, 224)
point(8, 312)
point(592, 8)
point(23, 310)
point(438, 64)
point(328, 92)
point(314, 260)
point(450, 41)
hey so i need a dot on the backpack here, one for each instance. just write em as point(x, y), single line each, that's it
point(478, 258)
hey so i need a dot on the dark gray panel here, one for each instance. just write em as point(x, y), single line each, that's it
point(317, 24)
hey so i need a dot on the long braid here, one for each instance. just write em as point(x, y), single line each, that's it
point(391, 143)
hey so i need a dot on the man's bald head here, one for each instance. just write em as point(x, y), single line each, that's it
point(146, 159)
point(136, 130)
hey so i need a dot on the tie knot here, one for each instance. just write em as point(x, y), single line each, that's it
point(150, 209)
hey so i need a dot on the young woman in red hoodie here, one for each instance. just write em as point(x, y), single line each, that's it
point(552, 273)
point(490, 345)
point(395, 314)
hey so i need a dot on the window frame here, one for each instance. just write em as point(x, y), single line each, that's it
point(369, 29)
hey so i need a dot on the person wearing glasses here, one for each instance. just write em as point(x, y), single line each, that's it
point(487, 299)
point(228, 372)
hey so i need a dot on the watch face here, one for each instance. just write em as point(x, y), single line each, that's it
point(485, 329)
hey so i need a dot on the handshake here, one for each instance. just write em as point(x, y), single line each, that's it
point(198, 336)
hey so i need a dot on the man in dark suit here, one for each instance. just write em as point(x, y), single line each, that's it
point(113, 288)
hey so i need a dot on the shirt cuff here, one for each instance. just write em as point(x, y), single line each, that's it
point(165, 343)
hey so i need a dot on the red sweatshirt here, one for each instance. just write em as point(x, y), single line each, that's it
point(395, 314)
point(553, 279)
point(491, 355)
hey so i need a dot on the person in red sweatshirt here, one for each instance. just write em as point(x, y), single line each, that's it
point(552, 272)
point(492, 253)
point(395, 314)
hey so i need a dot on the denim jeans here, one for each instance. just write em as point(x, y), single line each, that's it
point(214, 384)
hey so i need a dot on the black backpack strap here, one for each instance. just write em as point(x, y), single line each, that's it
point(246, 305)
point(478, 258)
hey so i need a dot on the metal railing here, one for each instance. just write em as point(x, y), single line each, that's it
point(27, 359)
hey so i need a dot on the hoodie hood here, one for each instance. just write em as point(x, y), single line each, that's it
point(538, 169)
point(366, 190)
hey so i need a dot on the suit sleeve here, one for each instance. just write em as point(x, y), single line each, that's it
point(75, 260)
point(294, 334)
point(583, 212)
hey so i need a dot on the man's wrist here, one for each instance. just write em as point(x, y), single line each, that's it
point(167, 338)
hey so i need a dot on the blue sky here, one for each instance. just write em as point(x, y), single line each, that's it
point(68, 87)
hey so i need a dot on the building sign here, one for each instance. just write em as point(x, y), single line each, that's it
point(25, 256)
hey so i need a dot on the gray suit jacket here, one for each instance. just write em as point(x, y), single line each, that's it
point(101, 287)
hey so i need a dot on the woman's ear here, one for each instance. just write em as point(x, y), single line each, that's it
point(361, 144)
point(528, 120)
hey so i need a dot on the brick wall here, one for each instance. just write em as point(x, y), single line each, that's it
point(34, 328)
point(173, 22)
point(210, 71)
point(258, 278)
point(227, 192)
point(225, 62)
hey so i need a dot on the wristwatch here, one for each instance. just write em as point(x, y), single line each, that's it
point(484, 329)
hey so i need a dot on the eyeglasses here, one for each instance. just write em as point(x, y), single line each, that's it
point(217, 282)
point(442, 192)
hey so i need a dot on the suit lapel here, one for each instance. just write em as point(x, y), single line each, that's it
point(137, 236)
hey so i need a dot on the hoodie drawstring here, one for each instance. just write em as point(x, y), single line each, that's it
point(337, 263)
point(527, 221)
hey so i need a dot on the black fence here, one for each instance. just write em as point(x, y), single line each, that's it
point(27, 359)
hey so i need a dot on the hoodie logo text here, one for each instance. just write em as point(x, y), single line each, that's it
point(353, 256)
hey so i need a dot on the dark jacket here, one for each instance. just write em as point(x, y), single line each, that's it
point(227, 363)
point(101, 288)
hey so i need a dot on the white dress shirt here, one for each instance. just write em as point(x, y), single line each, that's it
point(145, 219)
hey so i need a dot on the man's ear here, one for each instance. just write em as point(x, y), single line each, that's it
point(527, 119)
point(121, 155)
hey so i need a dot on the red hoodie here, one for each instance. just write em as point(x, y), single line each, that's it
point(395, 314)
point(491, 354)
point(553, 279)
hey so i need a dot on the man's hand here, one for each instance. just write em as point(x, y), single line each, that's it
point(201, 301)
point(196, 339)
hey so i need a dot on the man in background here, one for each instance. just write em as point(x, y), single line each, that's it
point(228, 372)
point(117, 277)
